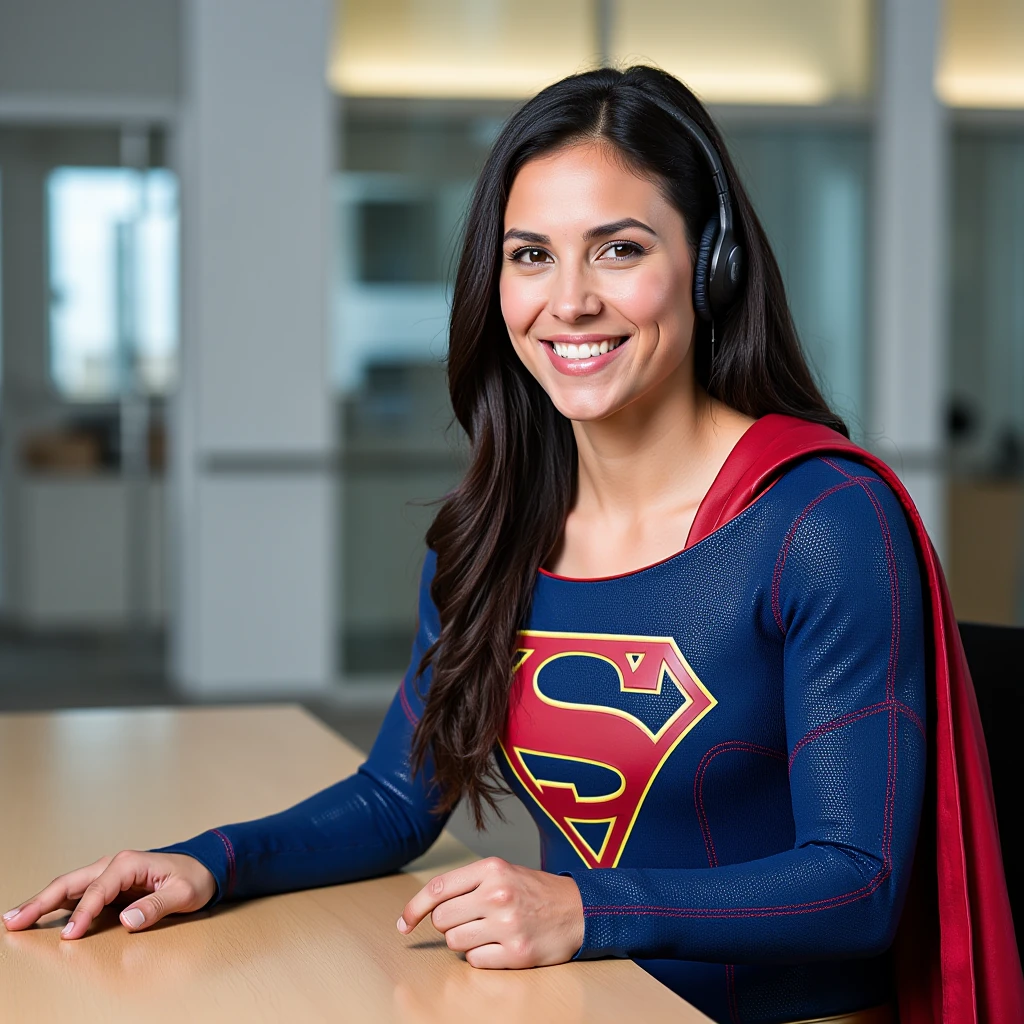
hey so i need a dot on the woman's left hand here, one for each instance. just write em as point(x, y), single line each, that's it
point(501, 915)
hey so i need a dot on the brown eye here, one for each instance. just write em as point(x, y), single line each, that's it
point(622, 250)
point(529, 257)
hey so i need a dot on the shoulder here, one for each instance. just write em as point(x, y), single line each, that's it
point(847, 584)
point(841, 524)
point(429, 566)
point(839, 491)
point(428, 619)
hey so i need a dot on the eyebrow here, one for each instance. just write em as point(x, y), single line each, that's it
point(598, 232)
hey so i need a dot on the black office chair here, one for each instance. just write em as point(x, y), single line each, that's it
point(995, 656)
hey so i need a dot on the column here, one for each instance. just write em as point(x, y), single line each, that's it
point(909, 336)
point(251, 496)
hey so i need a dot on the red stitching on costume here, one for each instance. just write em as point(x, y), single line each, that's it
point(891, 800)
point(406, 706)
point(894, 646)
point(890, 788)
point(727, 914)
point(231, 858)
point(780, 561)
point(730, 985)
point(698, 784)
point(796, 908)
point(724, 913)
point(848, 475)
point(894, 588)
point(890, 561)
point(837, 723)
point(856, 716)
point(907, 710)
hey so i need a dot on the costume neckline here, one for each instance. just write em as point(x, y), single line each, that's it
point(715, 499)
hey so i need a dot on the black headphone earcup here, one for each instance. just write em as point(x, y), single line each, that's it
point(702, 271)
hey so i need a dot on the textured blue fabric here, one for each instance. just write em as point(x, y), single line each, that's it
point(766, 865)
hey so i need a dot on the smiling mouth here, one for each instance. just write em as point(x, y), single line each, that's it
point(586, 350)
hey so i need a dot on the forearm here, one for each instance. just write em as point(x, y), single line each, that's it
point(808, 904)
point(354, 829)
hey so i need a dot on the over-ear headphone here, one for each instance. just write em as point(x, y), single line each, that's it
point(721, 261)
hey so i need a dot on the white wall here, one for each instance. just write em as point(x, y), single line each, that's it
point(253, 435)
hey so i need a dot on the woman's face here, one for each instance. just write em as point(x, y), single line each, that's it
point(595, 256)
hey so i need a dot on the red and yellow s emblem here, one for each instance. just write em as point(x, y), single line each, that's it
point(592, 719)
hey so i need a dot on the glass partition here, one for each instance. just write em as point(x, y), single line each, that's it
point(113, 278)
point(400, 194)
point(809, 185)
point(986, 379)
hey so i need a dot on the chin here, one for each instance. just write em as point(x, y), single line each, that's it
point(584, 412)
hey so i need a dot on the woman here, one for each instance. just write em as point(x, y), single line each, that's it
point(723, 742)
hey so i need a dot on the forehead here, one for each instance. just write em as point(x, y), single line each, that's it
point(578, 186)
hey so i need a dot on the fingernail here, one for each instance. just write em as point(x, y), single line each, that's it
point(68, 929)
point(401, 924)
point(12, 914)
point(134, 918)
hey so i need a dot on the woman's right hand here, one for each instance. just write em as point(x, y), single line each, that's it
point(175, 884)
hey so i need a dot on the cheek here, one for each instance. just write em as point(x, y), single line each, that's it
point(650, 298)
point(520, 303)
point(519, 310)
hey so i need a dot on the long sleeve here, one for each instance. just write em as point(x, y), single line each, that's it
point(845, 598)
point(371, 823)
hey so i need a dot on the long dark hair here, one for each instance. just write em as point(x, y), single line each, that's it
point(493, 532)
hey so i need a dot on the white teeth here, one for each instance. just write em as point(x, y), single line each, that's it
point(585, 350)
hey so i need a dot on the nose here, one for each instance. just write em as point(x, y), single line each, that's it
point(572, 295)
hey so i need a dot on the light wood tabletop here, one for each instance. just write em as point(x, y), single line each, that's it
point(75, 785)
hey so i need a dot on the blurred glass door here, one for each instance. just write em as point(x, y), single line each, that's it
point(91, 347)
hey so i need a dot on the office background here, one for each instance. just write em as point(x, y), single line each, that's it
point(227, 234)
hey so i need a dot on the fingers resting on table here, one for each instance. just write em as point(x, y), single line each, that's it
point(501, 915)
point(87, 890)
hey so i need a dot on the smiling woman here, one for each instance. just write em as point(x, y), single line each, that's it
point(584, 296)
point(611, 202)
point(673, 609)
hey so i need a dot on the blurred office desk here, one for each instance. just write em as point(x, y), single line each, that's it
point(76, 785)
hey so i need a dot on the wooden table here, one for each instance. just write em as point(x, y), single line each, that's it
point(76, 785)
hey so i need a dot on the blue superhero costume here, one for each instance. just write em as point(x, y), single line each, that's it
point(725, 750)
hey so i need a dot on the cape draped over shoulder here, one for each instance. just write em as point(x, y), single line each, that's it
point(955, 953)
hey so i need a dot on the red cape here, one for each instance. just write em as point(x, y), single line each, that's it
point(955, 952)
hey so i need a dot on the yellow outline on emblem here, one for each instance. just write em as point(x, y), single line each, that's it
point(597, 854)
point(600, 709)
point(540, 784)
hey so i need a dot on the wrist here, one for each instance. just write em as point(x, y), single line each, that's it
point(574, 925)
point(214, 852)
